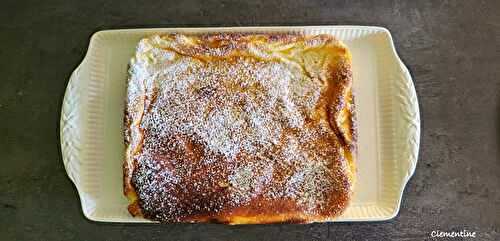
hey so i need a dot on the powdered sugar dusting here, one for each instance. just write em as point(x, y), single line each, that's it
point(230, 129)
point(233, 108)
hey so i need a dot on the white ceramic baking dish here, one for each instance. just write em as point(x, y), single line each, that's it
point(387, 112)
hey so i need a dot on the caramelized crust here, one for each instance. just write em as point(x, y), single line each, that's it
point(239, 129)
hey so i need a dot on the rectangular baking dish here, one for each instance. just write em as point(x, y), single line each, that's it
point(387, 111)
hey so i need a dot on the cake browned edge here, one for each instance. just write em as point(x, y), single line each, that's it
point(348, 136)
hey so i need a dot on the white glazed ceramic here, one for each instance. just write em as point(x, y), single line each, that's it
point(387, 113)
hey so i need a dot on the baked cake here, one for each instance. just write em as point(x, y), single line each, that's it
point(239, 128)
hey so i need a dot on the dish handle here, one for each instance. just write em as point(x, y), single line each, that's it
point(70, 134)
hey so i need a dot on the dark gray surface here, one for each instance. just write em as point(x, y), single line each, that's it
point(451, 48)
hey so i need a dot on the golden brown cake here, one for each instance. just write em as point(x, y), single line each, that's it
point(239, 128)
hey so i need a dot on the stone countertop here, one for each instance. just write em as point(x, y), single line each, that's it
point(450, 47)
